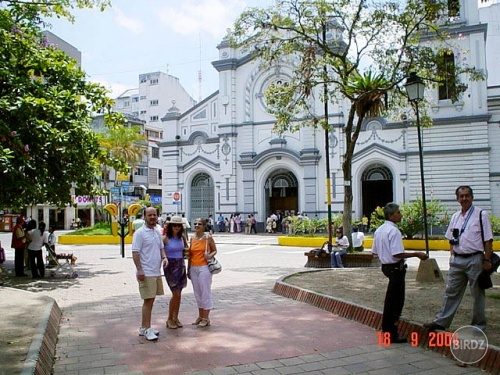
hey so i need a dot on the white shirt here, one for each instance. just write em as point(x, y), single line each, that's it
point(357, 239)
point(148, 243)
point(387, 242)
point(37, 239)
point(470, 241)
point(343, 242)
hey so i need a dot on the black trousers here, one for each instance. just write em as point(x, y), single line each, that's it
point(36, 263)
point(19, 261)
point(394, 297)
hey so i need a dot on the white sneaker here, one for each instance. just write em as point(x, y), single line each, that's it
point(142, 331)
point(149, 334)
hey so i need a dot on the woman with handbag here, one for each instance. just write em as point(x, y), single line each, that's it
point(175, 243)
point(202, 248)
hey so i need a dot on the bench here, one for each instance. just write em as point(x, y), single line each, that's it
point(318, 258)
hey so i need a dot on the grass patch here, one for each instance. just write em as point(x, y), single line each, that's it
point(99, 229)
point(493, 296)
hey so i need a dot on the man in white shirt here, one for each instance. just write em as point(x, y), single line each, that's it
point(149, 258)
point(357, 239)
point(471, 245)
point(388, 246)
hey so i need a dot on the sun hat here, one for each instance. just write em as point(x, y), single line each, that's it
point(176, 220)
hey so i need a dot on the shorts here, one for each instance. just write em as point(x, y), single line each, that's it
point(151, 287)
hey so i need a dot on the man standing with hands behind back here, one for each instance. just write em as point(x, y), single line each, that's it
point(388, 246)
point(149, 258)
point(471, 244)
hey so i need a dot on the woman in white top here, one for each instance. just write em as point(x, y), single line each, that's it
point(340, 248)
point(38, 238)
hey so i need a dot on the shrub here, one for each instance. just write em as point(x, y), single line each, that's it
point(495, 225)
point(412, 221)
point(312, 226)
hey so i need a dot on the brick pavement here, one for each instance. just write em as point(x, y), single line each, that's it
point(254, 331)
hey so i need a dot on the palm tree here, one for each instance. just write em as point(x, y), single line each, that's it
point(124, 142)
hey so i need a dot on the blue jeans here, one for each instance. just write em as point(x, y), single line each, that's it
point(335, 258)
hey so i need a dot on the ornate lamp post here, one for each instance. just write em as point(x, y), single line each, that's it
point(415, 90)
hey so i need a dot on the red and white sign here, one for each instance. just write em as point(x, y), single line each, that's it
point(176, 198)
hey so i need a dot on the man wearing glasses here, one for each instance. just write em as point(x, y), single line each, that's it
point(388, 246)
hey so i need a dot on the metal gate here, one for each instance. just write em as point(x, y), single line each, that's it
point(202, 197)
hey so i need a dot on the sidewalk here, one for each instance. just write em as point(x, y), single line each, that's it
point(253, 330)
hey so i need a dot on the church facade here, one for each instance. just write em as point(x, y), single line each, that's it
point(222, 155)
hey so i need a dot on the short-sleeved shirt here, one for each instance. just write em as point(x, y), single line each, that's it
point(37, 239)
point(357, 239)
point(137, 223)
point(387, 242)
point(470, 241)
point(148, 243)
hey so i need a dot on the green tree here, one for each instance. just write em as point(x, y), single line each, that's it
point(124, 143)
point(46, 106)
point(412, 221)
point(360, 51)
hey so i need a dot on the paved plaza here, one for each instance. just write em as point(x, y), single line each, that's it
point(253, 331)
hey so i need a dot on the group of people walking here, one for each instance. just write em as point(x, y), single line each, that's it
point(153, 252)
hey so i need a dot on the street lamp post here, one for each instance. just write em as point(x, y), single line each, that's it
point(415, 90)
point(327, 151)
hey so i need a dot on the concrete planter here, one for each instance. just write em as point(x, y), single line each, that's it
point(408, 244)
point(349, 260)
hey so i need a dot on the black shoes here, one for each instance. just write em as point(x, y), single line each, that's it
point(433, 326)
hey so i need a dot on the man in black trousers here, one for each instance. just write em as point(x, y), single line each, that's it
point(388, 246)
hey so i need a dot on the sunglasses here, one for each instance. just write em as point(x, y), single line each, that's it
point(197, 224)
point(176, 225)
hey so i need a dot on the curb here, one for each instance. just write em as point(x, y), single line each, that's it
point(373, 318)
point(41, 354)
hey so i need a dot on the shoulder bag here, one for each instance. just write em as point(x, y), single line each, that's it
point(213, 264)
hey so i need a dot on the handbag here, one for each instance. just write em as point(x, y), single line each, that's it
point(213, 264)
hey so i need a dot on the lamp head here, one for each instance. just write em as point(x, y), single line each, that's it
point(414, 87)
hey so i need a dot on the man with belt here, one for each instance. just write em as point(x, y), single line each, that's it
point(471, 244)
point(388, 246)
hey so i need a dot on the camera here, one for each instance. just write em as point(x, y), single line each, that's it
point(456, 234)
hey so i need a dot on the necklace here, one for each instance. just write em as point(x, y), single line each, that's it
point(199, 237)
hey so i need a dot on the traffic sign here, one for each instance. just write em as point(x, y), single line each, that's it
point(176, 198)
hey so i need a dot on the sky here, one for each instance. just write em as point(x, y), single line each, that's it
point(134, 37)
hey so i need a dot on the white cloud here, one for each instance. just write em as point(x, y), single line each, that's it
point(193, 17)
point(132, 24)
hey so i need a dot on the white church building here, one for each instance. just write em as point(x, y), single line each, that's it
point(222, 155)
